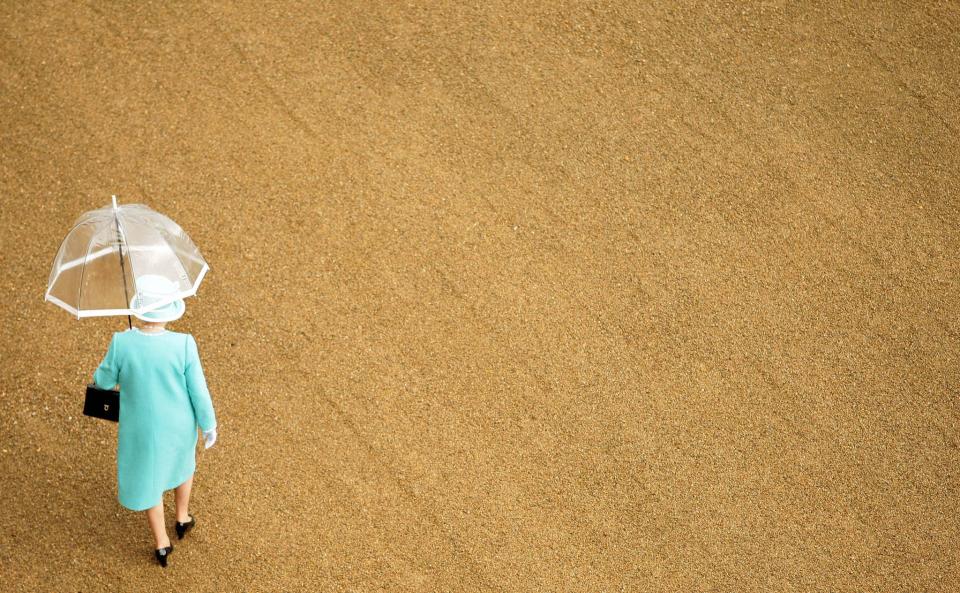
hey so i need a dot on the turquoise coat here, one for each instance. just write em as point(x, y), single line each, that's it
point(163, 399)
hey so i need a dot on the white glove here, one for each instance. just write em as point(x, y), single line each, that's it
point(209, 437)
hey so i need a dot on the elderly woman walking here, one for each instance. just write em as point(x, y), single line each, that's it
point(163, 400)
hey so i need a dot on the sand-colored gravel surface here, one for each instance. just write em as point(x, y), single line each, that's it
point(504, 296)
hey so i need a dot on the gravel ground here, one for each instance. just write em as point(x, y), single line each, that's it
point(504, 296)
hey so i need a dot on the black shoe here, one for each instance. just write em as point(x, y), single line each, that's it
point(183, 528)
point(162, 554)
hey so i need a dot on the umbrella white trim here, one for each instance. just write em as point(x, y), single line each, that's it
point(93, 313)
point(128, 311)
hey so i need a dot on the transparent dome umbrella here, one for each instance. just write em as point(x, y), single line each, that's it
point(95, 271)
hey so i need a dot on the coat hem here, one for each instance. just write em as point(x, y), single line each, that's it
point(160, 498)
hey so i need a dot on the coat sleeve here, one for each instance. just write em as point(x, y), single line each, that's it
point(107, 374)
point(197, 388)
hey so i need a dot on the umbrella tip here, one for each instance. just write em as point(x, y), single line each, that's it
point(114, 202)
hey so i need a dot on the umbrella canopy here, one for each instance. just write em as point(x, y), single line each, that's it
point(95, 271)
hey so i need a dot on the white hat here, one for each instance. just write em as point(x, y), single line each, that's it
point(151, 289)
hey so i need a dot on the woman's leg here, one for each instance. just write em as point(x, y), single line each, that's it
point(158, 525)
point(182, 498)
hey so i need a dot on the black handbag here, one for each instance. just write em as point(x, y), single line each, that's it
point(102, 403)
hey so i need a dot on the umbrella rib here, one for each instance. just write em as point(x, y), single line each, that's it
point(83, 270)
point(176, 253)
point(60, 249)
point(164, 230)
